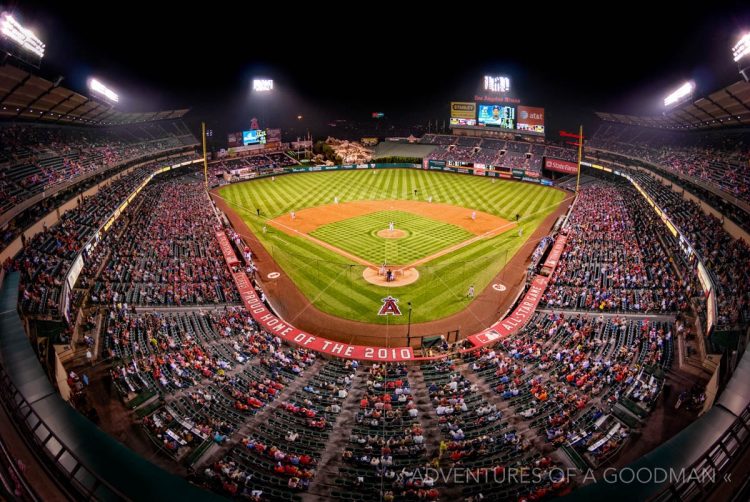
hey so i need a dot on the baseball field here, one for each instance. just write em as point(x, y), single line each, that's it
point(456, 231)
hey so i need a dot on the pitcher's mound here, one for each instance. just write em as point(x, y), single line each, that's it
point(391, 234)
point(403, 277)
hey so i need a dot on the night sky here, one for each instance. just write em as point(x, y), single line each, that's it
point(344, 63)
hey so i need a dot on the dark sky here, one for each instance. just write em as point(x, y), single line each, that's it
point(409, 62)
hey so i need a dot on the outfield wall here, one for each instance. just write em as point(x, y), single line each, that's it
point(432, 165)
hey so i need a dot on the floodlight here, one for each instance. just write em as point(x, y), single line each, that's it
point(24, 37)
point(496, 84)
point(741, 48)
point(680, 94)
point(740, 53)
point(101, 89)
point(262, 84)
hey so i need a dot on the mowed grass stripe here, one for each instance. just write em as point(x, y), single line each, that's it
point(337, 287)
point(358, 235)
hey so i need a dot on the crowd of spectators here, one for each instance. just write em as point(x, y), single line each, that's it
point(613, 259)
point(725, 257)
point(48, 255)
point(282, 457)
point(252, 165)
point(719, 158)
point(476, 436)
point(36, 157)
point(35, 212)
point(564, 373)
point(168, 253)
point(494, 152)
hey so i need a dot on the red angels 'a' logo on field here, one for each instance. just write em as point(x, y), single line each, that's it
point(389, 306)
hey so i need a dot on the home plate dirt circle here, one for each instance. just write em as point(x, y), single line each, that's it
point(403, 277)
point(391, 234)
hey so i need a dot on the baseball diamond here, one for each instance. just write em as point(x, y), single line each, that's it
point(326, 247)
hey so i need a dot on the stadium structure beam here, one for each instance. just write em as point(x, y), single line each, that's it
point(63, 100)
point(674, 123)
point(98, 105)
point(13, 89)
point(70, 112)
point(109, 115)
point(705, 110)
point(738, 100)
point(40, 96)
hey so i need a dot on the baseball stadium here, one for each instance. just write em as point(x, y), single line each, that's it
point(230, 279)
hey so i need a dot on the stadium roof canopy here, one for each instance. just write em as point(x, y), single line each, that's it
point(728, 107)
point(27, 96)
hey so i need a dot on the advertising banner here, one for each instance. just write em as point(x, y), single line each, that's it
point(226, 249)
point(517, 319)
point(556, 252)
point(463, 110)
point(530, 119)
point(462, 122)
point(560, 166)
point(273, 135)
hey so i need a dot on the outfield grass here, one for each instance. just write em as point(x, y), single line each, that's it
point(336, 286)
point(358, 236)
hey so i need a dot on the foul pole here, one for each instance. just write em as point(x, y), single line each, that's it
point(205, 159)
point(580, 153)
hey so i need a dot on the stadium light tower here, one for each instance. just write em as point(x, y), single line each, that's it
point(263, 88)
point(262, 85)
point(102, 90)
point(19, 41)
point(741, 55)
point(679, 95)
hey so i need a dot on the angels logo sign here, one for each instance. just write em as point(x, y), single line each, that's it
point(389, 306)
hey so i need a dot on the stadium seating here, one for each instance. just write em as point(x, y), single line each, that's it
point(167, 255)
point(37, 157)
point(494, 152)
point(264, 420)
point(259, 163)
point(613, 259)
point(565, 374)
point(720, 158)
point(49, 254)
point(720, 251)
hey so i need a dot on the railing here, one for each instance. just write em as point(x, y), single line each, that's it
point(72, 471)
point(712, 467)
point(21, 485)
